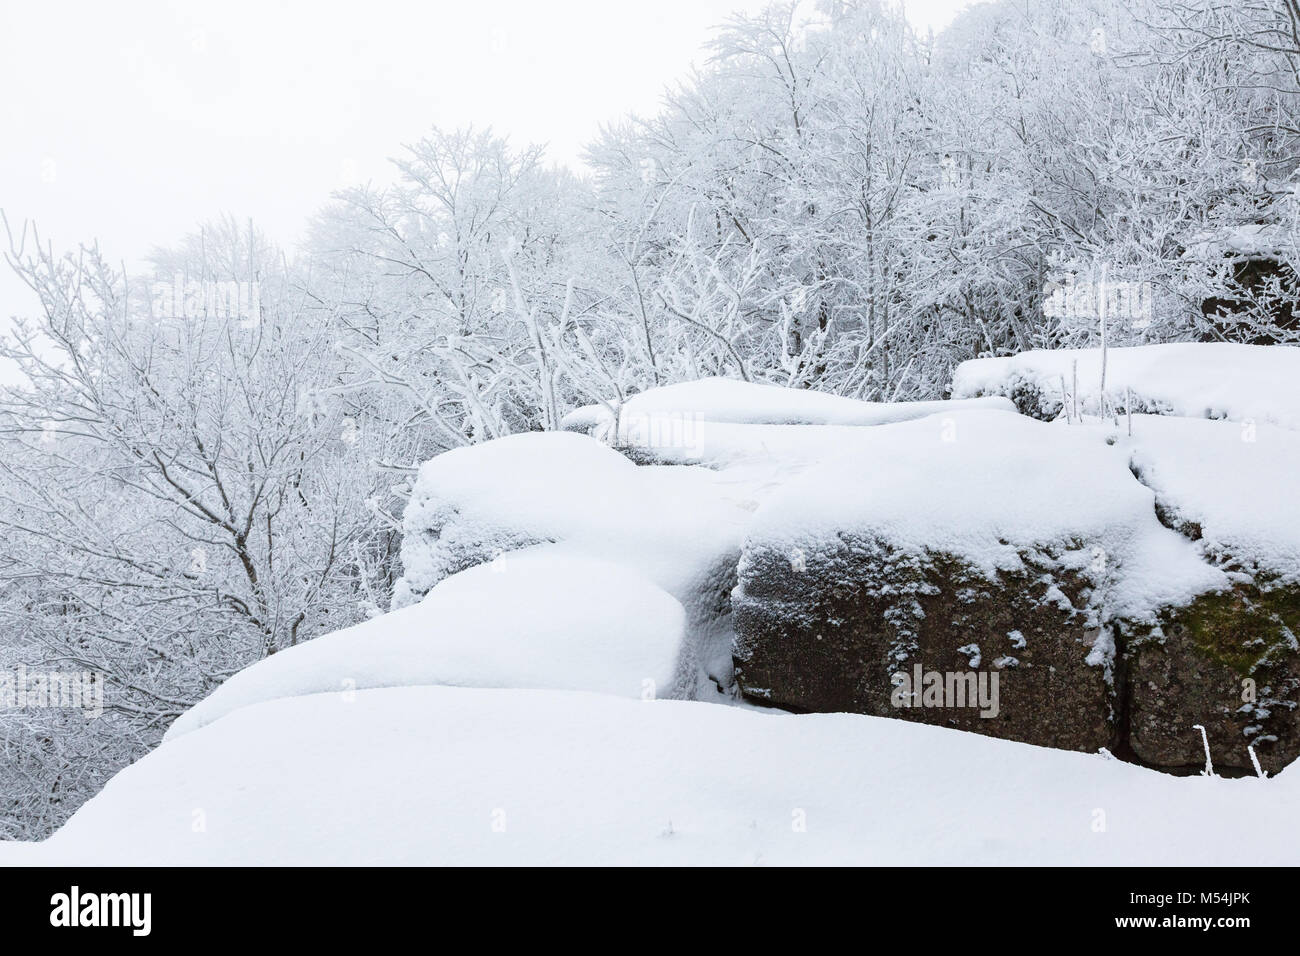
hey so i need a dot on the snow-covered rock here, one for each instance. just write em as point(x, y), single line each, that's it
point(1244, 383)
point(976, 542)
point(676, 526)
point(543, 617)
point(1226, 485)
point(443, 775)
point(1228, 660)
point(1122, 588)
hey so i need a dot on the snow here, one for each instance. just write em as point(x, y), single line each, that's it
point(541, 618)
point(756, 436)
point(1190, 379)
point(684, 418)
point(674, 525)
point(750, 403)
point(443, 775)
point(982, 485)
point(516, 713)
point(678, 527)
point(1234, 482)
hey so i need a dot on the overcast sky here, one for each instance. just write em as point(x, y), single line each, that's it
point(131, 122)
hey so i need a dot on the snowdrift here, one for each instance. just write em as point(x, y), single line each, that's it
point(538, 618)
point(1228, 486)
point(678, 527)
point(439, 775)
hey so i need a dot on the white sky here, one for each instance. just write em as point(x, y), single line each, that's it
point(132, 122)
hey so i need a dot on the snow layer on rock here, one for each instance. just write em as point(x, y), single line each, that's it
point(584, 418)
point(787, 449)
point(1233, 482)
point(981, 485)
point(440, 775)
point(667, 416)
point(540, 618)
point(674, 525)
point(1190, 379)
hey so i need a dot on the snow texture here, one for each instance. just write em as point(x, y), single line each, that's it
point(678, 527)
point(1249, 241)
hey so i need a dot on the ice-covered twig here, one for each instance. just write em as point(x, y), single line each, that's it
point(1209, 765)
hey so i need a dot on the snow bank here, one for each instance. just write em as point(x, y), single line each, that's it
point(438, 775)
point(1194, 380)
point(540, 618)
point(1227, 484)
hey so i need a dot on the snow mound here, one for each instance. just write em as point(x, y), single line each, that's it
point(541, 618)
point(1228, 485)
point(471, 504)
point(440, 775)
point(1189, 379)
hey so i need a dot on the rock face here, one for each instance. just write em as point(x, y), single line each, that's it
point(1227, 661)
point(865, 628)
point(970, 551)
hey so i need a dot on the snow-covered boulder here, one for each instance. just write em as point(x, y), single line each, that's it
point(1123, 589)
point(1244, 383)
point(1228, 660)
point(541, 618)
point(446, 775)
point(675, 526)
point(983, 545)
